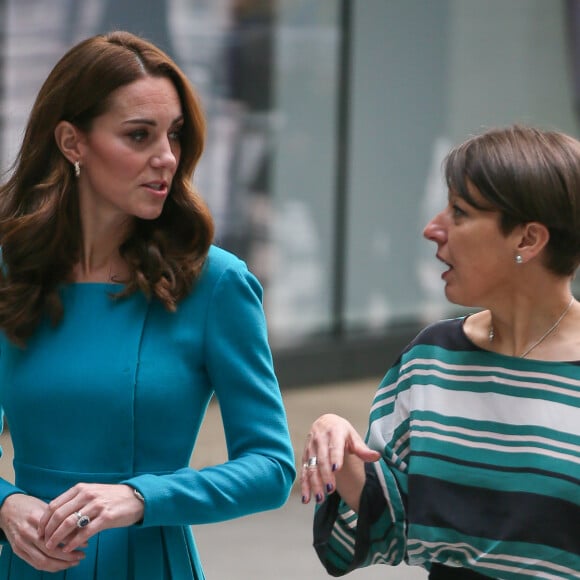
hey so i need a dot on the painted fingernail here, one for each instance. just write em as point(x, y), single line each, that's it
point(318, 497)
point(304, 499)
point(329, 487)
point(334, 467)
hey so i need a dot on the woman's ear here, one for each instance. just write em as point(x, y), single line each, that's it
point(68, 139)
point(534, 238)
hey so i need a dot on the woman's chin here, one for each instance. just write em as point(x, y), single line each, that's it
point(456, 298)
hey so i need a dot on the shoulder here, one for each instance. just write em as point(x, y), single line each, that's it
point(442, 340)
point(224, 271)
point(222, 265)
point(447, 334)
point(219, 260)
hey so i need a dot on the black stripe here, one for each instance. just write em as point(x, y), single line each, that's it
point(499, 468)
point(497, 515)
point(447, 334)
point(440, 572)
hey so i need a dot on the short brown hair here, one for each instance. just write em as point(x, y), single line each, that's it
point(526, 174)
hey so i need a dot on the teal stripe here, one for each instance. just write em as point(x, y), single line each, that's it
point(520, 556)
point(490, 478)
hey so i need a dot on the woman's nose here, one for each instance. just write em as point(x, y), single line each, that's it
point(435, 230)
point(165, 156)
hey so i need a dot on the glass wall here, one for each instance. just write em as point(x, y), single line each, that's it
point(327, 124)
point(426, 75)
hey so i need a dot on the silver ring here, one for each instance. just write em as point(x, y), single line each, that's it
point(82, 520)
point(312, 462)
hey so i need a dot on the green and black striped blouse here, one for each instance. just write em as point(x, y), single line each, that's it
point(480, 466)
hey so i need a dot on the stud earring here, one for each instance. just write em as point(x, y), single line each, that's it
point(519, 259)
point(77, 167)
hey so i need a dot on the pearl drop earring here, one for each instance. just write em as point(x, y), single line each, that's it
point(519, 259)
point(77, 167)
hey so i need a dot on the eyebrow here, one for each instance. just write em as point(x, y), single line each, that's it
point(151, 122)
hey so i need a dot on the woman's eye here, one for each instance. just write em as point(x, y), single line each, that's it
point(175, 134)
point(457, 211)
point(139, 135)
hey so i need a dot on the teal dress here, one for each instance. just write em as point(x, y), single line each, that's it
point(117, 393)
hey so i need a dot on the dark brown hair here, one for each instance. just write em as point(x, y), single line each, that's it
point(40, 230)
point(526, 174)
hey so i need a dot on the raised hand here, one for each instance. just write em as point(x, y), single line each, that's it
point(333, 460)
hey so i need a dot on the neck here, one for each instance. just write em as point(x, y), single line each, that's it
point(99, 263)
point(545, 334)
point(100, 260)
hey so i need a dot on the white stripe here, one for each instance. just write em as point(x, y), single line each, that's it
point(497, 436)
point(491, 447)
point(381, 478)
point(495, 380)
point(387, 557)
point(497, 408)
point(349, 518)
point(344, 539)
point(386, 388)
point(493, 407)
point(490, 370)
point(378, 404)
point(511, 563)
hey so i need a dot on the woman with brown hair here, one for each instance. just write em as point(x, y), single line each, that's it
point(471, 464)
point(120, 320)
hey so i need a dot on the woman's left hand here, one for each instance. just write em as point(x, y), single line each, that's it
point(104, 505)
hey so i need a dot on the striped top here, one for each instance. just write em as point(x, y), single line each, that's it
point(480, 466)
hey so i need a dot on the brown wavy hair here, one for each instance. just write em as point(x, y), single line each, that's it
point(40, 229)
point(528, 175)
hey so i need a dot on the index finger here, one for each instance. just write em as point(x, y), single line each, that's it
point(53, 506)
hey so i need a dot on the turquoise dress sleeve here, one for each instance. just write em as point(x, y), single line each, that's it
point(6, 488)
point(238, 364)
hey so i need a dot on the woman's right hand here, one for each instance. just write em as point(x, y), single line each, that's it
point(339, 453)
point(19, 518)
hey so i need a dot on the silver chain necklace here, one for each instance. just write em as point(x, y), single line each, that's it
point(491, 334)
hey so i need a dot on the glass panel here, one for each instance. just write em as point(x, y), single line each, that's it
point(267, 72)
point(426, 75)
point(299, 297)
point(268, 170)
point(398, 105)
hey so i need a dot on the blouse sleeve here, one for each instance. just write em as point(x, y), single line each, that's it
point(260, 470)
point(345, 540)
point(6, 488)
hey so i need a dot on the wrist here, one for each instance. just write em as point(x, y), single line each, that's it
point(139, 496)
point(6, 505)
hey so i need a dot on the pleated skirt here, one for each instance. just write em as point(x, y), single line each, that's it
point(134, 553)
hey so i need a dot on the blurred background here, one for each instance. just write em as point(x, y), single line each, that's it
point(327, 124)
